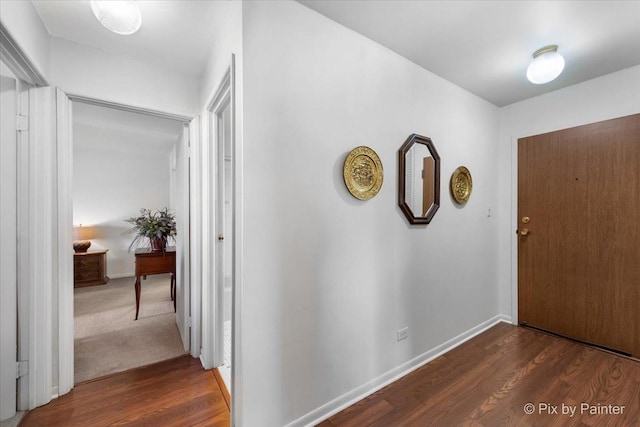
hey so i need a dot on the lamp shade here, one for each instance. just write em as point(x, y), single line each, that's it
point(84, 232)
point(82, 235)
point(120, 16)
point(547, 64)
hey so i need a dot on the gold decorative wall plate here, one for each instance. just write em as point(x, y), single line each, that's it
point(363, 173)
point(461, 185)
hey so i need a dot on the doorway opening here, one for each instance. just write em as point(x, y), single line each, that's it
point(123, 162)
point(222, 183)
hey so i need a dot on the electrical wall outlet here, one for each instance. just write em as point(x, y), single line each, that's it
point(403, 333)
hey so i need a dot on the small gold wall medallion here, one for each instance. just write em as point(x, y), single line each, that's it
point(363, 173)
point(461, 185)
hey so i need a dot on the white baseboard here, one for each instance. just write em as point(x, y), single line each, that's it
point(121, 275)
point(327, 410)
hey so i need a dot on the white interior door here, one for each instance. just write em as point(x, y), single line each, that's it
point(64, 238)
point(181, 207)
point(224, 232)
point(45, 267)
point(8, 247)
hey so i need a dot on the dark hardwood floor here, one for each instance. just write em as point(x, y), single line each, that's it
point(176, 392)
point(491, 379)
point(487, 381)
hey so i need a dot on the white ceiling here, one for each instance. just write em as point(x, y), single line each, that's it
point(175, 34)
point(108, 128)
point(482, 46)
point(486, 46)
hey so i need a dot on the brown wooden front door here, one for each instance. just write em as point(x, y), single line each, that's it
point(579, 249)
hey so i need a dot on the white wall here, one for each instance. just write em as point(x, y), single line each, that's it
point(111, 184)
point(86, 71)
point(24, 25)
point(228, 41)
point(328, 279)
point(611, 96)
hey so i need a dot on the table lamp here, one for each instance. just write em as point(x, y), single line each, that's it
point(82, 235)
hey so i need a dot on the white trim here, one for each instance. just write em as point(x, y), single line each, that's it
point(325, 411)
point(210, 306)
point(205, 195)
point(8, 249)
point(237, 391)
point(121, 275)
point(212, 339)
point(225, 374)
point(183, 239)
point(130, 108)
point(24, 273)
point(195, 236)
point(64, 254)
point(17, 61)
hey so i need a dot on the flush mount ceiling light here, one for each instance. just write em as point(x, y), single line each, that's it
point(547, 64)
point(121, 17)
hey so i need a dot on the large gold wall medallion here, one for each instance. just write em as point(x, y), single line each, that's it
point(363, 173)
point(461, 185)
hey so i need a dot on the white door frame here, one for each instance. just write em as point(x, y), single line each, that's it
point(191, 241)
point(45, 175)
point(45, 255)
point(222, 104)
point(64, 150)
point(212, 339)
point(8, 249)
point(514, 226)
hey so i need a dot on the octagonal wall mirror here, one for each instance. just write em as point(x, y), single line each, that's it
point(419, 179)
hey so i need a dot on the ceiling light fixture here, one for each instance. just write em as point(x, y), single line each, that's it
point(547, 64)
point(121, 17)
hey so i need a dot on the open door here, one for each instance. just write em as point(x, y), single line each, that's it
point(181, 208)
point(45, 255)
point(8, 248)
point(185, 204)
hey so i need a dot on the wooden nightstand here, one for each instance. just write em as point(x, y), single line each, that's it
point(90, 268)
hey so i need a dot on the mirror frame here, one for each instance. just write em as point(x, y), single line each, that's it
point(402, 202)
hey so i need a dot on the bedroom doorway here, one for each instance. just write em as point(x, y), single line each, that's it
point(124, 161)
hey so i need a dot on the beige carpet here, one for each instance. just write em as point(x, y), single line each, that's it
point(108, 339)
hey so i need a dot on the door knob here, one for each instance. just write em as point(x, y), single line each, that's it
point(220, 237)
point(524, 232)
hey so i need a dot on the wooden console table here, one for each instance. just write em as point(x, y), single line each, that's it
point(150, 262)
point(90, 268)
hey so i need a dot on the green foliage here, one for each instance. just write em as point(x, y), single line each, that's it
point(160, 224)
